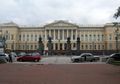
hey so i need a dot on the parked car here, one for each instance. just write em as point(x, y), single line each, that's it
point(30, 57)
point(83, 57)
point(113, 57)
point(3, 58)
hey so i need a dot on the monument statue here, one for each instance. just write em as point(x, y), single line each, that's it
point(41, 46)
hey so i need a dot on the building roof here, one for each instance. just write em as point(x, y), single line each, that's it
point(9, 24)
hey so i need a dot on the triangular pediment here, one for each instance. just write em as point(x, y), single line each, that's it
point(61, 23)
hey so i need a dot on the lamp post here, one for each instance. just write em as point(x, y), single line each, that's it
point(116, 24)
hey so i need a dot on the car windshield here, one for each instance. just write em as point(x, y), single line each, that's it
point(22, 54)
point(34, 54)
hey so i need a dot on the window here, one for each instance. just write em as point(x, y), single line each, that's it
point(82, 46)
point(35, 46)
point(31, 47)
point(82, 37)
point(35, 37)
point(74, 45)
point(31, 37)
point(94, 38)
point(110, 37)
point(102, 37)
point(90, 37)
point(86, 37)
point(12, 36)
point(86, 47)
point(98, 37)
point(56, 46)
point(20, 37)
point(73, 37)
point(98, 47)
point(73, 34)
point(95, 47)
point(27, 37)
point(56, 34)
point(23, 37)
point(110, 46)
point(90, 46)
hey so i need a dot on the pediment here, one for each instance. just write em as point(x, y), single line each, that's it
point(61, 23)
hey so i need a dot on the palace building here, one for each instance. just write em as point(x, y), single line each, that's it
point(93, 38)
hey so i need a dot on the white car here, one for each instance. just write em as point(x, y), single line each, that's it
point(83, 57)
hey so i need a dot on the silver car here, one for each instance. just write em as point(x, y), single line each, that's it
point(83, 57)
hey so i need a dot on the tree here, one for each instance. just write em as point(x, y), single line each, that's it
point(117, 14)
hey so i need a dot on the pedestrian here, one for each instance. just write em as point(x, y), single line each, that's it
point(10, 58)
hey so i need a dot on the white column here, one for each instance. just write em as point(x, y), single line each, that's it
point(76, 35)
point(67, 33)
point(58, 39)
point(58, 34)
point(45, 36)
point(71, 34)
point(50, 33)
point(63, 35)
point(54, 34)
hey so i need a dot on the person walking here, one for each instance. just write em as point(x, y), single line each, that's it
point(10, 57)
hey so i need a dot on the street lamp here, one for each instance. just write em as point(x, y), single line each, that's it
point(116, 24)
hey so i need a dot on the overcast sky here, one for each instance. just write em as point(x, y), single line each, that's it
point(34, 12)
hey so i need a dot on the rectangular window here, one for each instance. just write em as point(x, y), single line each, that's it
point(110, 37)
point(19, 37)
point(27, 37)
point(35, 37)
point(32, 37)
point(23, 37)
point(12, 36)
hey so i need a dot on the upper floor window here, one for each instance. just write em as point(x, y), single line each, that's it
point(23, 37)
point(86, 37)
point(110, 37)
point(31, 37)
point(27, 37)
point(90, 37)
point(35, 37)
point(20, 37)
point(82, 37)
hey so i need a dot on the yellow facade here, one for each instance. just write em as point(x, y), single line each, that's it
point(92, 37)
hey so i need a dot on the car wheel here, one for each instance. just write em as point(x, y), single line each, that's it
point(76, 60)
point(36, 60)
point(20, 60)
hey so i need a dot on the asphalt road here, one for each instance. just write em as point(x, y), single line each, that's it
point(12, 73)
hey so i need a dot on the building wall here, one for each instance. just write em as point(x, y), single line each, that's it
point(92, 37)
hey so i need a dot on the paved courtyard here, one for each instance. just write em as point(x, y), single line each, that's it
point(58, 60)
point(13, 73)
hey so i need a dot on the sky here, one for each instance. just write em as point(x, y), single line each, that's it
point(35, 12)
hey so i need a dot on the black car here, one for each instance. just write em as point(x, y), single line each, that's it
point(115, 56)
